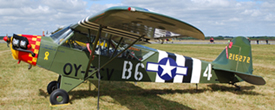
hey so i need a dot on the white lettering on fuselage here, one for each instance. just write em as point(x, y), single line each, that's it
point(127, 71)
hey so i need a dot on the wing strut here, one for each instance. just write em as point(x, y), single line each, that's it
point(109, 43)
point(117, 46)
point(98, 84)
point(93, 51)
point(111, 59)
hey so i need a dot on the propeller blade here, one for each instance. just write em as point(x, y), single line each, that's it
point(7, 39)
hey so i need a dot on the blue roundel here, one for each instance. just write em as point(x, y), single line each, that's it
point(167, 68)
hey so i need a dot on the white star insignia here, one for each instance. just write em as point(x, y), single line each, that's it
point(167, 68)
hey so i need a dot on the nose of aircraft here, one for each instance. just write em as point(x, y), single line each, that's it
point(24, 47)
point(5, 38)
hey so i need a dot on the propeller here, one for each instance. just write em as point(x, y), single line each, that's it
point(7, 39)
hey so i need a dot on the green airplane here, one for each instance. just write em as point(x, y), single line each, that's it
point(107, 46)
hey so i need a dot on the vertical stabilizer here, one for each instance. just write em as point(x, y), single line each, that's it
point(236, 56)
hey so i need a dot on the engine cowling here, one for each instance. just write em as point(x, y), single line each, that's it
point(25, 47)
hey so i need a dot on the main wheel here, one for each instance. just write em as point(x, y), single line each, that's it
point(59, 96)
point(52, 86)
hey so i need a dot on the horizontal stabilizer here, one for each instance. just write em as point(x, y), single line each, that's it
point(252, 79)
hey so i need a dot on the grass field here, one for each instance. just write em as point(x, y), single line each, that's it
point(25, 89)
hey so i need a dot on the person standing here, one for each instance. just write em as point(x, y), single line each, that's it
point(211, 40)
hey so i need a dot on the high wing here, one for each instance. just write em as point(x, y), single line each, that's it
point(132, 23)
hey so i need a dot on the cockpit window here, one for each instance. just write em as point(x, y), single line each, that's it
point(142, 52)
point(77, 41)
point(135, 52)
point(61, 35)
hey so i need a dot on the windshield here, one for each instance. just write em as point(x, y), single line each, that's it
point(61, 35)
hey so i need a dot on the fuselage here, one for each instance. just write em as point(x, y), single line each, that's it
point(139, 63)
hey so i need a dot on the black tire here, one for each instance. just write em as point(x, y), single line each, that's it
point(52, 86)
point(59, 93)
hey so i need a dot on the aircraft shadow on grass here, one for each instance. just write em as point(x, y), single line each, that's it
point(128, 93)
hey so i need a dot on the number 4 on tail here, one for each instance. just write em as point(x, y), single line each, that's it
point(207, 72)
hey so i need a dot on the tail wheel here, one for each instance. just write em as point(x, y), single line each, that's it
point(52, 86)
point(59, 96)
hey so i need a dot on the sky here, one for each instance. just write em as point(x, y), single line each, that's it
point(212, 17)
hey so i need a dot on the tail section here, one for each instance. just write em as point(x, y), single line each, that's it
point(236, 58)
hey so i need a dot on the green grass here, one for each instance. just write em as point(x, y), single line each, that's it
point(25, 89)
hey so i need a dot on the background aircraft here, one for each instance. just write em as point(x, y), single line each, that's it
point(107, 47)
